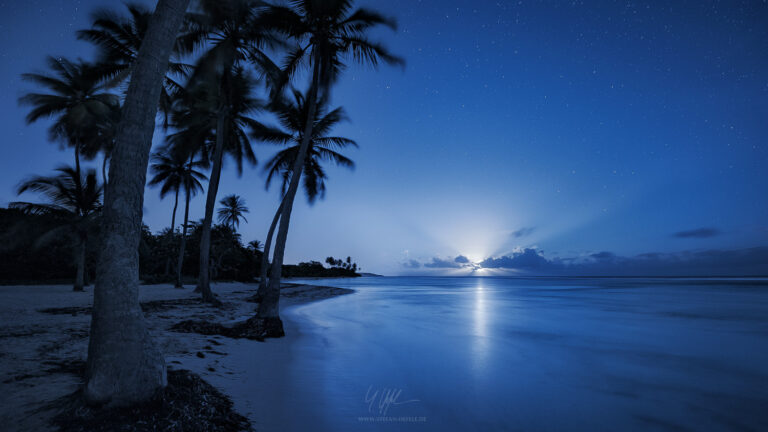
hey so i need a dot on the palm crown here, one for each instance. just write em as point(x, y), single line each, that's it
point(74, 201)
point(119, 38)
point(67, 194)
point(233, 209)
point(233, 34)
point(173, 171)
point(196, 115)
point(327, 32)
point(76, 99)
point(292, 115)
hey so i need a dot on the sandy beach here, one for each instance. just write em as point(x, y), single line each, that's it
point(44, 333)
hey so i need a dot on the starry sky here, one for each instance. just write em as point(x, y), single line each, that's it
point(525, 137)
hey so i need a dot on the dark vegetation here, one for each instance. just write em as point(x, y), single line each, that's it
point(253, 328)
point(24, 259)
point(186, 404)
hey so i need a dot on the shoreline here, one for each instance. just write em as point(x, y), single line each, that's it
point(44, 331)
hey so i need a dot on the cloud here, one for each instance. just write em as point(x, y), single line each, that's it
point(604, 256)
point(412, 264)
point(700, 263)
point(441, 263)
point(461, 259)
point(528, 259)
point(713, 262)
point(523, 232)
point(697, 233)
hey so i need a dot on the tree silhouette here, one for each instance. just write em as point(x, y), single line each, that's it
point(214, 119)
point(75, 202)
point(124, 365)
point(174, 172)
point(118, 38)
point(292, 114)
point(221, 97)
point(326, 33)
point(77, 101)
point(233, 209)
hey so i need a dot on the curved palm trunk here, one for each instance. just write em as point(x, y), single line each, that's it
point(173, 214)
point(183, 244)
point(104, 169)
point(77, 161)
point(124, 364)
point(269, 306)
point(80, 263)
point(170, 233)
point(203, 279)
point(265, 256)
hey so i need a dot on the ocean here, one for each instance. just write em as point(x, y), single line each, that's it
point(528, 354)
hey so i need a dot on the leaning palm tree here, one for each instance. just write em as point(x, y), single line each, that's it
point(292, 115)
point(124, 364)
point(74, 201)
point(233, 209)
point(222, 99)
point(213, 117)
point(322, 147)
point(327, 33)
point(77, 101)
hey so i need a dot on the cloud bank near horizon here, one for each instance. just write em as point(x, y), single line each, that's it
point(529, 261)
point(697, 233)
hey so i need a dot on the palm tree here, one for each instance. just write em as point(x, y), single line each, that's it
point(213, 118)
point(292, 115)
point(76, 100)
point(169, 169)
point(118, 39)
point(174, 172)
point(327, 33)
point(191, 185)
point(216, 118)
point(255, 245)
point(74, 201)
point(124, 365)
point(232, 211)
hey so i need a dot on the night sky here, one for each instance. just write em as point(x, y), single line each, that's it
point(553, 137)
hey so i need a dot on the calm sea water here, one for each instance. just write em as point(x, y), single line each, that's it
point(554, 354)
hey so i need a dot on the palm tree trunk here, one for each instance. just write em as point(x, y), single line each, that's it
point(269, 305)
point(173, 214)
point(80, 263)
point(265, 256)
point(203, 279)
point(124, 365)
point(170, 232)
point(104, 169)
point(183, 242)
point(77, 161)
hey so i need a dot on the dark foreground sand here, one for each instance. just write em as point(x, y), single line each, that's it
point(44, 337)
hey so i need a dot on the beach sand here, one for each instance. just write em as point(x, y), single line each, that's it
point(44, 340)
